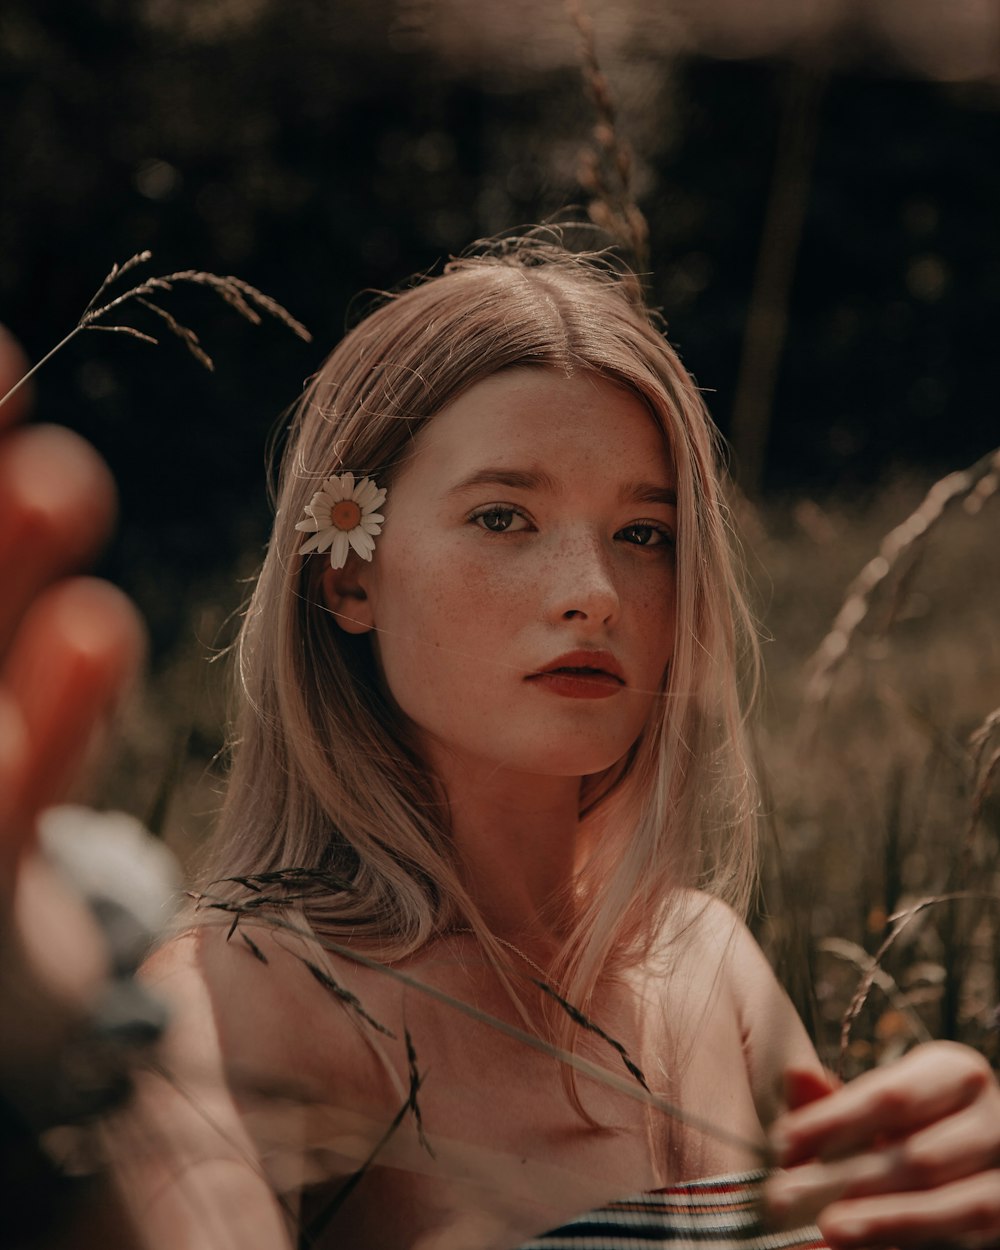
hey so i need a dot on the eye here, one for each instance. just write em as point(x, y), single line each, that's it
point(499, 519)
point(646, 534)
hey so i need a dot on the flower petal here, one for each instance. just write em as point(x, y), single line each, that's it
point(361, 543)
point(364, 491)
point(310, 524)
point(338, 550)
point(372, 518)
point(311, 544)
point(379, 499)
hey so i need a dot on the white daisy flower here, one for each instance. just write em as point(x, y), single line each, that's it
point(342, 515)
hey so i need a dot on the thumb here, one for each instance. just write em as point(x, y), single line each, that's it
point(805, 1085)
point(802, 1086)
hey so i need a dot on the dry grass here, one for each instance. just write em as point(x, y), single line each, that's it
point(881, 748)
point(243, 298)
point(607, 162)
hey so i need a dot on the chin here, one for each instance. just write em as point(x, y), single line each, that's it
point(584, 761)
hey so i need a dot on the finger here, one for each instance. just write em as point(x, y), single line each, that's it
point(797, 1197)
point(805, 1085)
point(13, 761)
point(55, 961)
point(57, 505)
point(958, 1146)
point(13, 366)
point(78, 648)
point(928, 1084)
point(965, 1213)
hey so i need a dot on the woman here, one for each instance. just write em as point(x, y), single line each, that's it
point(490, 800)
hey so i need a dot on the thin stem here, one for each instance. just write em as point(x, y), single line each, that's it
point(35, 367)
point(603, 1076)
point(240, 295)
point(770, 302)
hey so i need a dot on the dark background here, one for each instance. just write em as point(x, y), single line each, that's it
point(317, 150)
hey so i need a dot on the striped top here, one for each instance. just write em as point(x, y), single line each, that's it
point(715, 1214)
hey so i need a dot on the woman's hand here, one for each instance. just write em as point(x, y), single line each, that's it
point(69, 646)
point(906, 1155)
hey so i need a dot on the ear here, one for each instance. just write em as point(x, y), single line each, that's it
point(344, 593)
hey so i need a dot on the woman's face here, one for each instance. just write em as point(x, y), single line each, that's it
point(523, 587)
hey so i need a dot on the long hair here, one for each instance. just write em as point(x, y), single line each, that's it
point(325, 772)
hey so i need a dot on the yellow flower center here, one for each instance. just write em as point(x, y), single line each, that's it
point(345, 515)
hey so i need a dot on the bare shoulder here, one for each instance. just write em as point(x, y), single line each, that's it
point(267, 1007)
point(772, 1035)
point(199, 1181)
point(266, 1044)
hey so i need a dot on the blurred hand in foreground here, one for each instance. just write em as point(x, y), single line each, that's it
point(906, 1155)
point(69, 648)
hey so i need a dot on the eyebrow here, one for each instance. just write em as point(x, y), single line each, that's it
point(516, 479)
point(538, 479)
point(650, 492)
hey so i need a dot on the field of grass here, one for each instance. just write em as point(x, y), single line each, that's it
point(873, 803)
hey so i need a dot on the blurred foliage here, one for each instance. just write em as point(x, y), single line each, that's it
point(320, 149)
point(872, 793)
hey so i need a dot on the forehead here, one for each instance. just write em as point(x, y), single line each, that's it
point(540, 417)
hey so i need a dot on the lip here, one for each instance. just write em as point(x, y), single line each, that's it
point(582, 674)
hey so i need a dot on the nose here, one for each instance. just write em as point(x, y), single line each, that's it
point(581, 584)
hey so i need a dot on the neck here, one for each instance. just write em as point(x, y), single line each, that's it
point(518, 839)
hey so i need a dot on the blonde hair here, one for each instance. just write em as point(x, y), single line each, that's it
point(325, 773)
